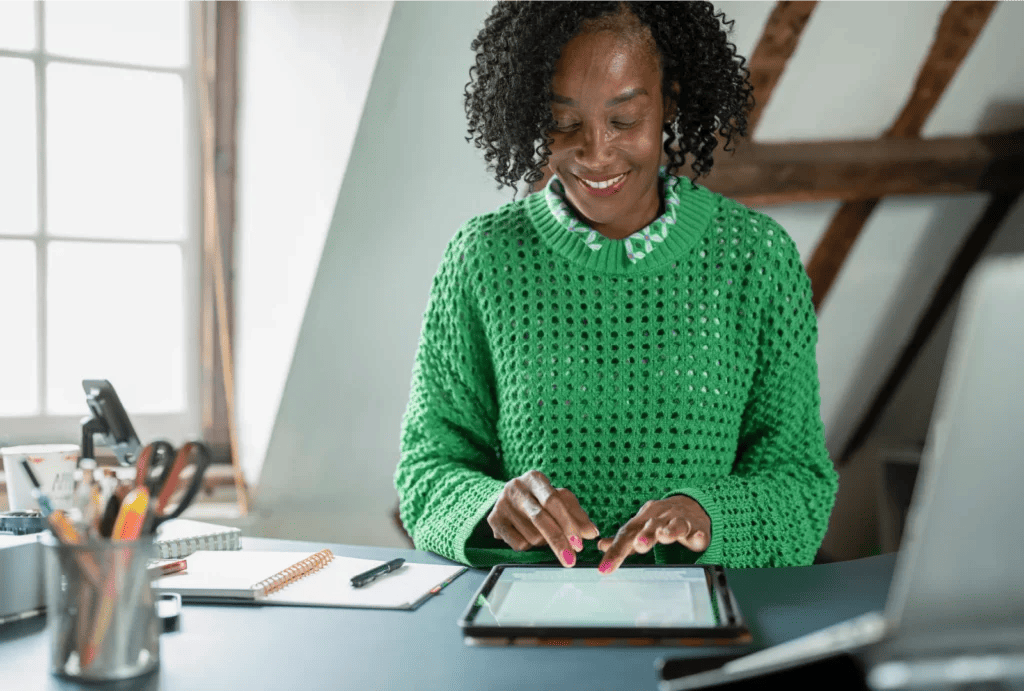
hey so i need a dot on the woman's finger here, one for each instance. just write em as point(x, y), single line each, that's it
point(696, 540)
point(673, 530)
point(684, 532)
point(620, 547)
point(526, 529)
point(552, 501)
point(586, 526)
point(645, 537)
point(504, 531)
point(537, 515)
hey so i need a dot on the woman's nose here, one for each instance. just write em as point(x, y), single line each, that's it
point(594, 147)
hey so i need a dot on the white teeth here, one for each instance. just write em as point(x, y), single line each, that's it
point(603, 185)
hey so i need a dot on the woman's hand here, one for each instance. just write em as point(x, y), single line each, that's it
point(530, 512)
point(675, 519)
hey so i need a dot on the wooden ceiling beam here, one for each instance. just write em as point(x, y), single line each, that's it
point(857, 170)
point(959, 27)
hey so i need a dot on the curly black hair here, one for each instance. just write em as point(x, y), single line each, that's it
point(508, 97)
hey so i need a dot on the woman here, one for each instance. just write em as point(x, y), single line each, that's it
point(622, 365)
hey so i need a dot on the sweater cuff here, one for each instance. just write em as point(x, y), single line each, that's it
point(670, 554)
point(484, 505)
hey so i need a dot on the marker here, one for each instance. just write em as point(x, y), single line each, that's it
point(444, 584)
point(359, 580)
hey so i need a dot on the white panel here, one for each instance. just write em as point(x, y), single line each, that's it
point(878, 297)
point(412, 181)
point(305, 70)
point(852, 70)
point(17, 25)
point(116, 311)
point(19, 392)
point(987, 92)
point(909, 411)
point(150, 33)
point(115, 153)
point(18, 172)
point(805, 223)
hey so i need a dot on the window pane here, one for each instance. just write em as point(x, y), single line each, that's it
point(116, 311)
point(19, 394)
point(115, 153)
point(17, 25)
point(143, 33)
point(17, 146)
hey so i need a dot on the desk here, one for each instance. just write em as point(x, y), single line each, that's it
point(250, 648)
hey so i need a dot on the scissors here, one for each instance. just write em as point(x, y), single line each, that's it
point(160, 470)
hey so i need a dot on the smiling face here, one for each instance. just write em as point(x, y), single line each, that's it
point(609, 112)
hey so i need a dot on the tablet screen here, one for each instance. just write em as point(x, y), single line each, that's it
point(629, 597)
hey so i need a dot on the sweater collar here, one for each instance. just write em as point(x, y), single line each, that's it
point(687, 212)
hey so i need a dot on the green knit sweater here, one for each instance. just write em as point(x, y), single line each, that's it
point(680, 360)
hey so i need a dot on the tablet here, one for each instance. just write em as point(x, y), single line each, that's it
point(635, 605)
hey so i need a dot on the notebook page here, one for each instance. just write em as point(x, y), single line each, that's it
point(213, 574)
point(227, 574)
point(332, 587)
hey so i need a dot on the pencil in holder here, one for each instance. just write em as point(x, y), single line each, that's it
point(102, 615)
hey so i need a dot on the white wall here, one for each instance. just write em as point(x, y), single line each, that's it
point(336, 432)
point(412, 179)
point(305, 70)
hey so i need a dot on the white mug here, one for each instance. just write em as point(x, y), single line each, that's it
point(54, 467)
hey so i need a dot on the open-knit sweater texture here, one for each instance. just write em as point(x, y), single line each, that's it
point(680, 360)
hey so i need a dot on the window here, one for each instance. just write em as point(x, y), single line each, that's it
point(99, 222)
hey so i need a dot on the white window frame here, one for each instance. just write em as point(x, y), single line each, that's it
point(175, 427)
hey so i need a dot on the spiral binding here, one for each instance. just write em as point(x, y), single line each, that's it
point(310, 564)
point(176, 548)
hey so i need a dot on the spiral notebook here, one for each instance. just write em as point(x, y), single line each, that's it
point(317, 579)
point(181, 537)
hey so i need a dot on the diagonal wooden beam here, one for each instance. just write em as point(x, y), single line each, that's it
point(778, 41)
point(835, 246)
point(960, 26)
point(996, 211)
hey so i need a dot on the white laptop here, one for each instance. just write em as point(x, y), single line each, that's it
point(955, 610)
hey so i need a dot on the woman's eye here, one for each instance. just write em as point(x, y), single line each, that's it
point(566, 126)
point(622, 125)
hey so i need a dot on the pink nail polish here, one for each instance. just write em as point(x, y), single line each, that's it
point(576, 542)
point(569, 557)
point(642, 540)
point(605, 567)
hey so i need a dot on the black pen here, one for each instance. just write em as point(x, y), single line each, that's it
point(359, 580)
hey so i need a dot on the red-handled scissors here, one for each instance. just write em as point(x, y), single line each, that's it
point(173, 479)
